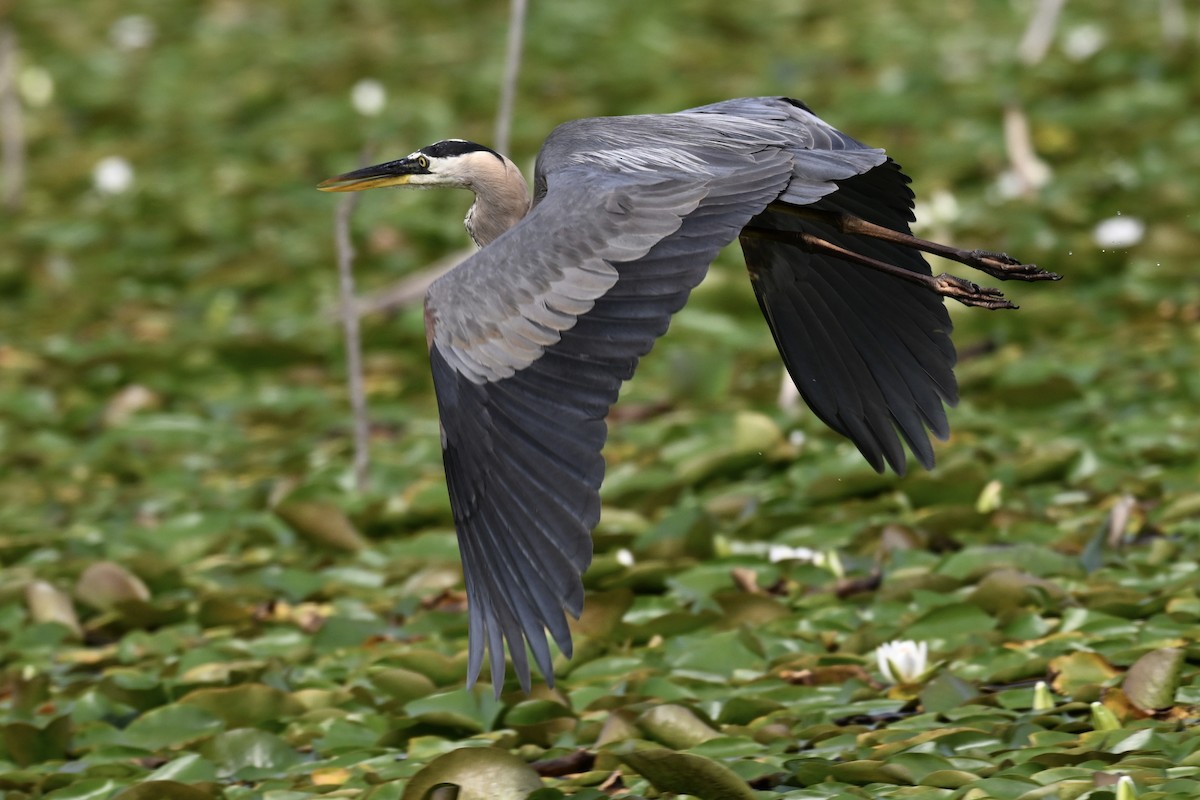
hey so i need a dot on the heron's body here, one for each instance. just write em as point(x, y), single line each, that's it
point(531, 338)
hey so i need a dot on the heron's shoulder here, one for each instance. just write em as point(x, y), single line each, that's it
point(620, 148)
point(785, 114)
point(773, 107)
point(602, 133)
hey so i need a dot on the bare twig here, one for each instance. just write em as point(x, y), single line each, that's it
point(410, 290)
point(1030, 171)
point(512, 67)
point(350, 327)
point(12, 129)
point(1040, 31)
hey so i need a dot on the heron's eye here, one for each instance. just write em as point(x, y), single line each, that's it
point(422, 162)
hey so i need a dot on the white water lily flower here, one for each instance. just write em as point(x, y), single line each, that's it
point(1119, 232)
point(783, 552)
point(903, 660)
point(112, 175)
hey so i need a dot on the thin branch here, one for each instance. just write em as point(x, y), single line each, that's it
point(512, 68)
point(1030, 171)
point(1040, 31)
point(410, 290)
point(350, 328)
point(12, 129)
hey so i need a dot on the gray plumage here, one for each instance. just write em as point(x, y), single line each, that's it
point(531, 338)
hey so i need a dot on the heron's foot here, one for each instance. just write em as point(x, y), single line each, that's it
point(1007, 268)
point(969, 294)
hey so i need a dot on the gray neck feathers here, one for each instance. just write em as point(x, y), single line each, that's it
point(501, 198)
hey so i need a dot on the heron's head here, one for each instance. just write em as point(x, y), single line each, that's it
point(452, 162)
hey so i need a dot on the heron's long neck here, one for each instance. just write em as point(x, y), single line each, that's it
point(501, 200)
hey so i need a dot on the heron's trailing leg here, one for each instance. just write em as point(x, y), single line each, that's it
point(947, 285)
point(998, 265)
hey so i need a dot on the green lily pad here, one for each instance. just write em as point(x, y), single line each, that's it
point(534, 712)
point(250, 754)
point(1081, 673)
point(28, 744)
point(474, 710)
point(402, 684)
point(950, 623)
point(162, 790)
point(945, 692)
point(172, 726)
point(683, 773)
point(247, 705)
point(675, 726)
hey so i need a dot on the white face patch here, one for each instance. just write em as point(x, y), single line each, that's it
point(462, 170)
point(425, 180)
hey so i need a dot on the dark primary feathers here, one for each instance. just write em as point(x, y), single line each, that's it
point(532, 336)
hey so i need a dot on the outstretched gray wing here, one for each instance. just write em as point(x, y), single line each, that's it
point(530, 340)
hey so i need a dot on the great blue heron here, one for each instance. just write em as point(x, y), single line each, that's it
point(530, 338)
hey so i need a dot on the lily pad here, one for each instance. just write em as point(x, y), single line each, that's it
point(249, 754)
point(479, 773)
point(105, 584)
point(47, 604)
point(1151, 683)
point(683, 773)
point(171, 726)
point(246, 705)
point(321, 523)
point(676, 726)
point(161, 790)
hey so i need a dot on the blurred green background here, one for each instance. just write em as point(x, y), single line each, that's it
point(171, 373)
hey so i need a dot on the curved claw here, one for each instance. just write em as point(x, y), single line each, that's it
point(1007, 268)
point(970, 294)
